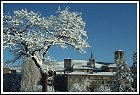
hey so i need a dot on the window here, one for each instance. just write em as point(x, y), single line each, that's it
point(106, 77)
point(102, 82)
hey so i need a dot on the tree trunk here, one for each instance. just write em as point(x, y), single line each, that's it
point(44, 76)
point(44, 82)
point(30, 75)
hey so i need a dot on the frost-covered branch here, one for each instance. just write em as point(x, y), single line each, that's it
point(32, 35)
point(29, 34)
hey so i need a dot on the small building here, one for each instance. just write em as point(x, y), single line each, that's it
point(7, 70)
point(11, 80)
point(64, 82)
point(98, 78)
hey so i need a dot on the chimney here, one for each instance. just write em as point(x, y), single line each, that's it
point(119, 55)
point(67, 63)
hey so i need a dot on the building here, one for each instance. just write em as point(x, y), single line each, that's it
point(11, 79)
point(100, 73)
point(73, 71)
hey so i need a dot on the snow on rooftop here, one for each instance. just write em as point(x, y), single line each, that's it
point(120, 50)
point(98, 65)
point(76, 67)
point(76, 64)
point(89, 73)
point(58, 65)
point(112, 65)
point(94, 73)
point(79, 62)
point(67, 58)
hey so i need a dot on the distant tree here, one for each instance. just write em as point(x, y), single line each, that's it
point(123, 78)
point(134, 70)
point(28, 35)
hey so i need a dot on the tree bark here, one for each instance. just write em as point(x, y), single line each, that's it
point(30, 75)
point(44, 82)
point(44, 77)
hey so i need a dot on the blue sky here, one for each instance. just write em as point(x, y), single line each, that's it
point(110, 27)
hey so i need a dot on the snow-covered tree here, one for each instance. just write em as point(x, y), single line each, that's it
point(134, 70)
point(81, 86)
point(123, 78)
point(102, 88)
point(28, 34)
point(30, 76)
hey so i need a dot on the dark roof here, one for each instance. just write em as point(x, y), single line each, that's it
point(97, 69)
point(105, 63)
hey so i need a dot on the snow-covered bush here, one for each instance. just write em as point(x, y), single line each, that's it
point(102, 88)
point(81, 86)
